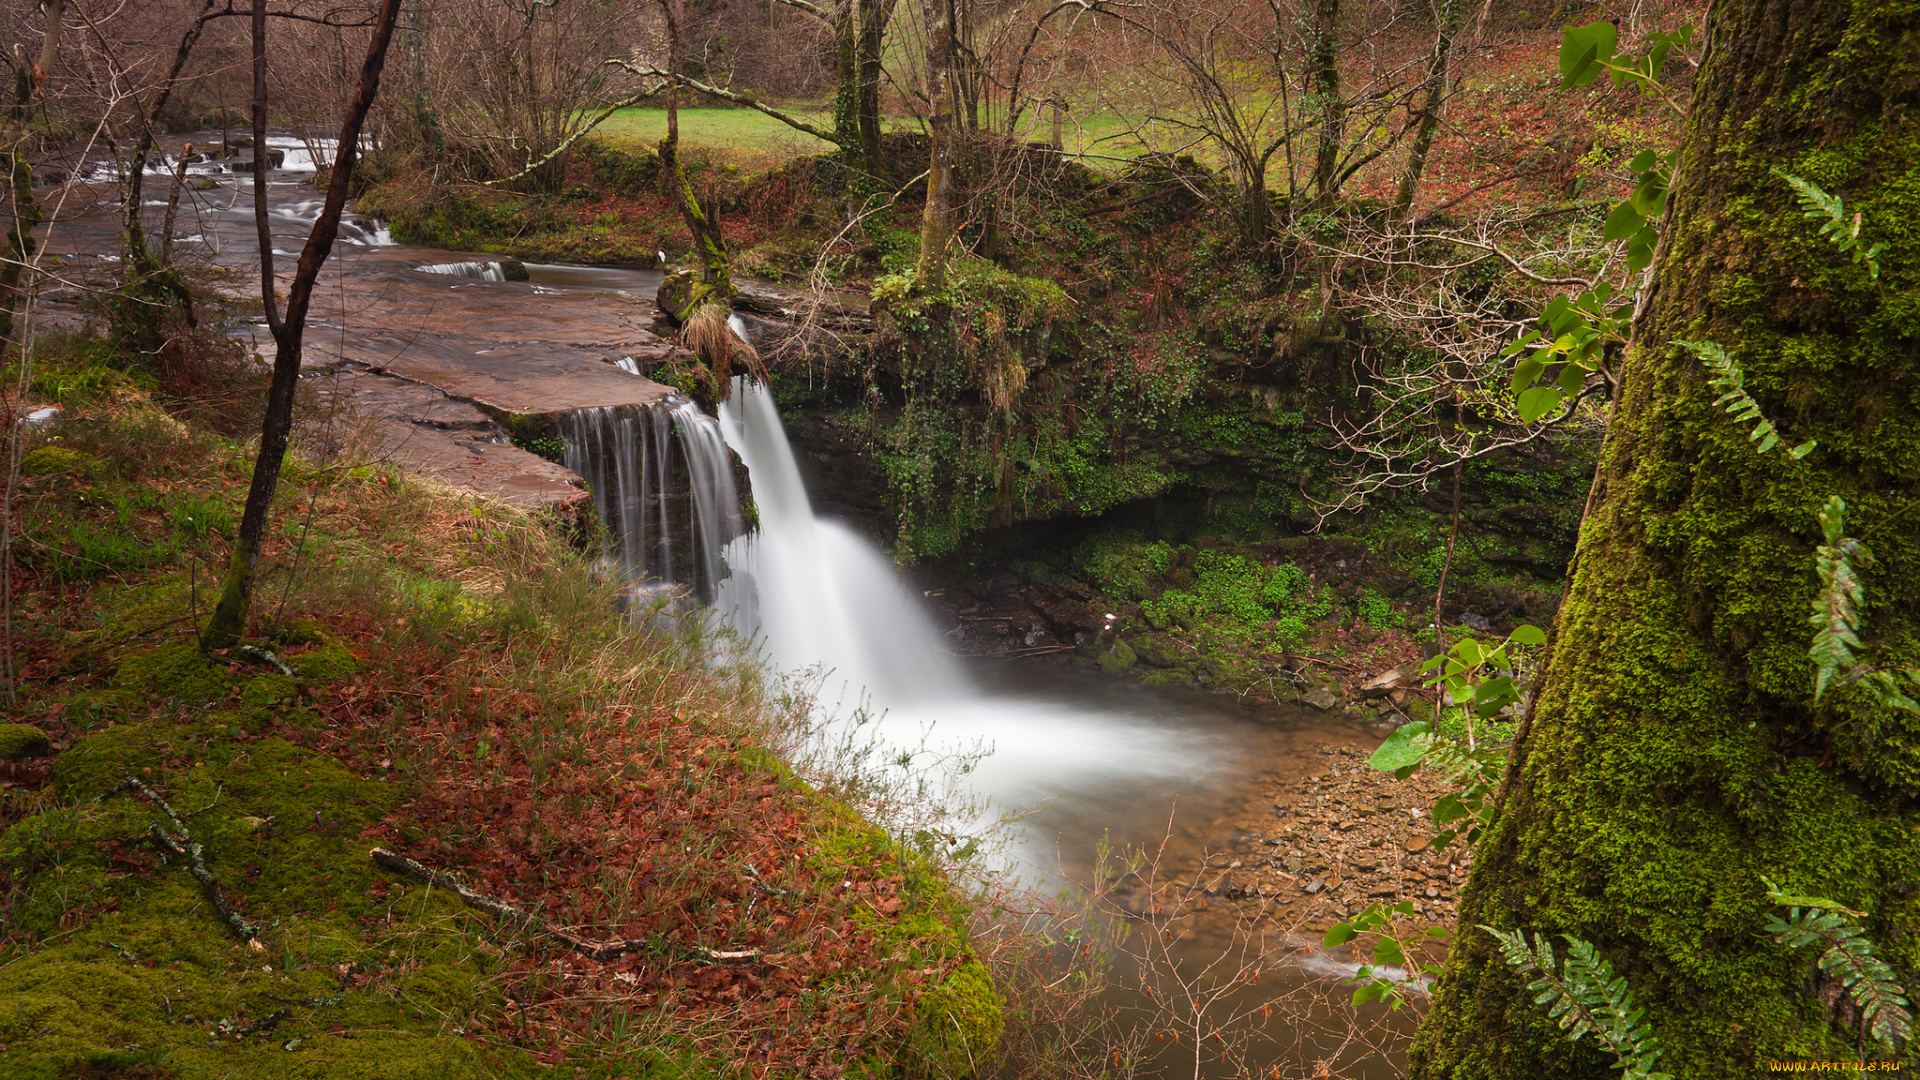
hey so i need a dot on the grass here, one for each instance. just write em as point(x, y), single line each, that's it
point(749, 138)
point(741, 136)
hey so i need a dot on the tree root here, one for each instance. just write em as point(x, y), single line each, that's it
point(181, 842)
point(595, 950)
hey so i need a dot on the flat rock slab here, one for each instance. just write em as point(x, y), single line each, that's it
point(453, 441)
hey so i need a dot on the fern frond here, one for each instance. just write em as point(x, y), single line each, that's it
point(1586, 996)
point(1728, 379)
point(1837, 608)
point(1849, 959)
point(1828, 209)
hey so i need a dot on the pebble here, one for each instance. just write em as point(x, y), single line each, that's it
point(1334, 843)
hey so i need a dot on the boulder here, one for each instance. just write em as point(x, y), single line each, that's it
point(1398, 677)
point(18, 742)
point(514, 270)
point(1323, 693)
point(1118, 659)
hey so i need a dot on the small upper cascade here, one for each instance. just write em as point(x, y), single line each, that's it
point(479, 271)
point(662, 483)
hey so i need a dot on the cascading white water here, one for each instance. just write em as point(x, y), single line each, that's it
point(669, 504)
point(479, 271)
point(812, 589)
point(814, 592)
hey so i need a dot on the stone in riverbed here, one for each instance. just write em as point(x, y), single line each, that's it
point(1118, 659)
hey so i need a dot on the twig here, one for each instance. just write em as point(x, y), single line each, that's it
point(1317, 660)
point(181, 843)
point(594, 950)
point(266, 656)
point(762, 882)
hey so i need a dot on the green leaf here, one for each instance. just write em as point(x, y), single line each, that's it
point(1338, 934)
point(1624, 221)
point(1528, 635)
point(1571, 377)
point(1404, 748)
point(1526, 373)
point(1583, 50)
point(1640, 248)
point(1642, 161)
point(1388, 951)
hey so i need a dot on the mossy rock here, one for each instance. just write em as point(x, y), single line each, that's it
point(329, 663)
point(1154, 652)
point(265, 691)
point(51, 460)
point(1167, 677)
point(18, 742)
point(179, 671)
point(956, 1025)
point(1118, 659)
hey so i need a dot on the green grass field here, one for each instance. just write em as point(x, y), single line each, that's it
point(744, 136)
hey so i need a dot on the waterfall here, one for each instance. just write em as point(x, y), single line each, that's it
point(813, 592)
point(662, 484)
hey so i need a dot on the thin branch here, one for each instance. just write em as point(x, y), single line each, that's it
point(181, 842)
point(595, 950)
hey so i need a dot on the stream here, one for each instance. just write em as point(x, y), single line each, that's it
point(436, 358)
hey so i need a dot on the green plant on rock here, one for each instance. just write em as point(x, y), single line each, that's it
point(1728, 379)
point(1585, 996)
point(1827, 209)
point(1235, 597)
point(1848, 957)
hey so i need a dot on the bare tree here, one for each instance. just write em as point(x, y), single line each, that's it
point(229, 616)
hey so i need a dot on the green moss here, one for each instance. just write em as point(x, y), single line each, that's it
point(1118, 659)
point(178, 672)
point(19, 742)
point(957, 1025)
point(329, 663)
point(129, 952)
point(50, 460)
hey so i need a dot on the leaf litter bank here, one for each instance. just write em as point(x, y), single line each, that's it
point(464, 693)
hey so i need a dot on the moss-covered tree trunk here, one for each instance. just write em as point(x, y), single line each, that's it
point(1676, 754)
point(874, 17)
point(846, 66)
point(1323, 67)
point(1432, 94)
point(936, 224)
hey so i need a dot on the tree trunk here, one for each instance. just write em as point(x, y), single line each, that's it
point(1433, 93)
point(936, 226)
point(230, 615)
point(874, 17)
point(716, 264)
point(24, 211)
point(1323, 66)
point(846, 64)
point(426, 118)
point(1677, 754)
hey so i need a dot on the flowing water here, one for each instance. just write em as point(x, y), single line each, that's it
point(1079, 758)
